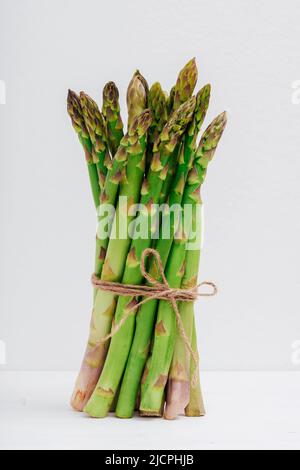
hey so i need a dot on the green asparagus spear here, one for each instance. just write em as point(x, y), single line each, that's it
point(76, 115)
point(96, 128)
point(111, 112)
point(146, 315)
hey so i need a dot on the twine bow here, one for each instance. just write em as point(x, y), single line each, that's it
point(159, 291)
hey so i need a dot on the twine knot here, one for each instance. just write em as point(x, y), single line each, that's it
point(159, 290)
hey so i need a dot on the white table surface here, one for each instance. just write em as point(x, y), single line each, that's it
point(245, 410)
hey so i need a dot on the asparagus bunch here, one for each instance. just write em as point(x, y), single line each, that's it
point(141, 182)
point(104, 393)
point(146, 315)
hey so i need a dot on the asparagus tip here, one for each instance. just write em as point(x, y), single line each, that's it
point(110, 92)
point(141, 123)
point(186, 83)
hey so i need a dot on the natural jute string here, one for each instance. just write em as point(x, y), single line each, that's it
point(156, 290)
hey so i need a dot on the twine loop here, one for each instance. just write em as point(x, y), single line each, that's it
point(159, 291)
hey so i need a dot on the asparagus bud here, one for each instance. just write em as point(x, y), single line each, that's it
point(186, 83)
point(209, 143)
point(94, 122)
point(177, 123)
point(170, 100)
point(137, 96)
point(111, 112)
point(78, 122)
point(76, 114)
point(202, 102)
point(158, 106)
point(96, 128)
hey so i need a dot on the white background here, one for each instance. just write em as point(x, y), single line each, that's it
point(249, 52)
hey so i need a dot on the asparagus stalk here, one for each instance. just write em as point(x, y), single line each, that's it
point(132, 151)
point(164, 340)
point(76, 115)
point(137, 96)
point(146, 315)
point(195, 406)
point(150, 194)
point(96, 128)
point(111, 112)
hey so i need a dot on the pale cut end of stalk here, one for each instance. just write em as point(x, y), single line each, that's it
point(137, 96)
point(195, 407)
point(186, 83)
point(179, 390)
point(88, 377)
